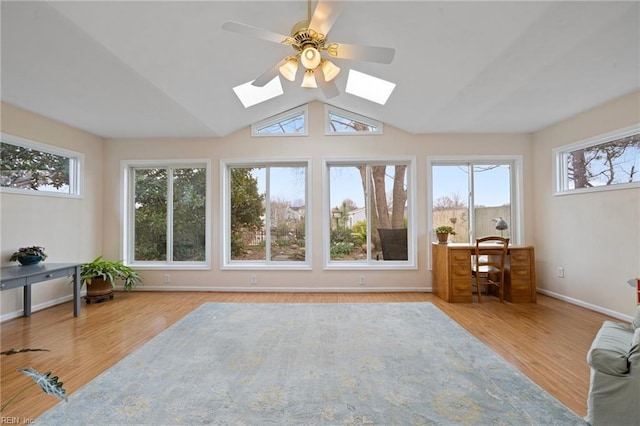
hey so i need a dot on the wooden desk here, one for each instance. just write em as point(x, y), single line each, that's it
point(25, 276)
point(451, 273)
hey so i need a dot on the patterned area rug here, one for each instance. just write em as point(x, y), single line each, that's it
point(312, 364)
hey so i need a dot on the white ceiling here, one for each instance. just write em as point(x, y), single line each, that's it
point(166, 68)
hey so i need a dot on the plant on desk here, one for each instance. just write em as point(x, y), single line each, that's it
point(443, 233)
point(29, 255)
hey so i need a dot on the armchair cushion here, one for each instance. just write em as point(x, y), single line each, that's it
point(610, 349)
point(636, 318)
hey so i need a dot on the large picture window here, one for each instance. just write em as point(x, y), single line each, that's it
point(266, 215)
point(610, 161)
point(477, 197)
point(167, 214)
point(29, 167)
point(369, 214)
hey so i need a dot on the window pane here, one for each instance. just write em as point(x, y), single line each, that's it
point(373, 229)
point(340, 124)
point(610, 163)
point(150, 203)
point(389, 212)
point(289, 125)
point(492, 200)
point(348, 241)
point(34, 170)
point(248, 236)
point(189, 214)
point(450, 199)
point(287, 187)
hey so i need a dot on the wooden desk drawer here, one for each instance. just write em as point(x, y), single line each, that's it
point(460, 271)
point(520, 257)
point(49, 275)
point(520, 274)
point(460, 256)
point(461, 287)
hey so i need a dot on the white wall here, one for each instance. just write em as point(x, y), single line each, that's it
point(594, 236)
point(69, 229)
point(315, 147)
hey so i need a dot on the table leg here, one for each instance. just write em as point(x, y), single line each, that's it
point(76, 292)
point(26, 300)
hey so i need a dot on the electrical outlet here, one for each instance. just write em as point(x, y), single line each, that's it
point(362, 280)
point(254, 279)
point(560, 272)
point(167, 278)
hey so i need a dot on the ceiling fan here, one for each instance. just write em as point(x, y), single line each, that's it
point(308, 39)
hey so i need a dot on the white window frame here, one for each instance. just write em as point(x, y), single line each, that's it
point(412, 239)
point(76, 165)
point(304, 109)
point(328, 131)
point(561, 173)
point(517, 191)
point(225, 219)
point(128, 214)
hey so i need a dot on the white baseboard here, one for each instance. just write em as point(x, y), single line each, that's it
point(38, 307)
point(360, 289)
point(595, 308)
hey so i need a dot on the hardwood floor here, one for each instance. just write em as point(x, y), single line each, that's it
point(547, 341)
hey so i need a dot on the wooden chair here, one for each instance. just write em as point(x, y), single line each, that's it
point(488, 264)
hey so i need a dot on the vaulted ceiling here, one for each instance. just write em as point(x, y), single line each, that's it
point(167, 69)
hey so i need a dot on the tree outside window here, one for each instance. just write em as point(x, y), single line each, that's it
point(366, 199)
point(267, 220)
point(169, 214)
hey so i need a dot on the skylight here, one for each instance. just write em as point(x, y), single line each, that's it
point(368, 87)
point(251, 95)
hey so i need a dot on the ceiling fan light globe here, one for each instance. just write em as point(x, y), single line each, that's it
point(289, 69)
point(310, 58)
point(309, 81)
point(329, 69)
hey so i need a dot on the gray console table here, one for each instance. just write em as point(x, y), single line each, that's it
point(24, 276)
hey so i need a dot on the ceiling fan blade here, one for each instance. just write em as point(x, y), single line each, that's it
point(324, 16)
point(329, 88)
point(268, 75)
point(382, 55)
point(237, 27)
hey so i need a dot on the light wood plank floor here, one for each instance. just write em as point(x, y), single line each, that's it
point(547, 341)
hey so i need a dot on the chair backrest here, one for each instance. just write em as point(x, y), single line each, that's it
point(394, 244)
point(491, 251)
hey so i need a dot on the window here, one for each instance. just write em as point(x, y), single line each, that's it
point(369, 214)
point(477, 197)
point(610, 161)
point(339, 122)
point(266, 214)
point(29, 167)
point(168, 212)
point(289, 123)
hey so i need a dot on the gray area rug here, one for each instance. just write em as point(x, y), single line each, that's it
point(312, 364)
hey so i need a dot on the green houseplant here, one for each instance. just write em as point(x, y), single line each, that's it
point(101, 275)
point(443, 232)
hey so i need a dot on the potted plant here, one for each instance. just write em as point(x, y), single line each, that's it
point(29, 255)
point(443, 233)
point(100, 276)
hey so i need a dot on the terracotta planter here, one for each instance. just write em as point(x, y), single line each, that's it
point(443, 238)
point(99, 290)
